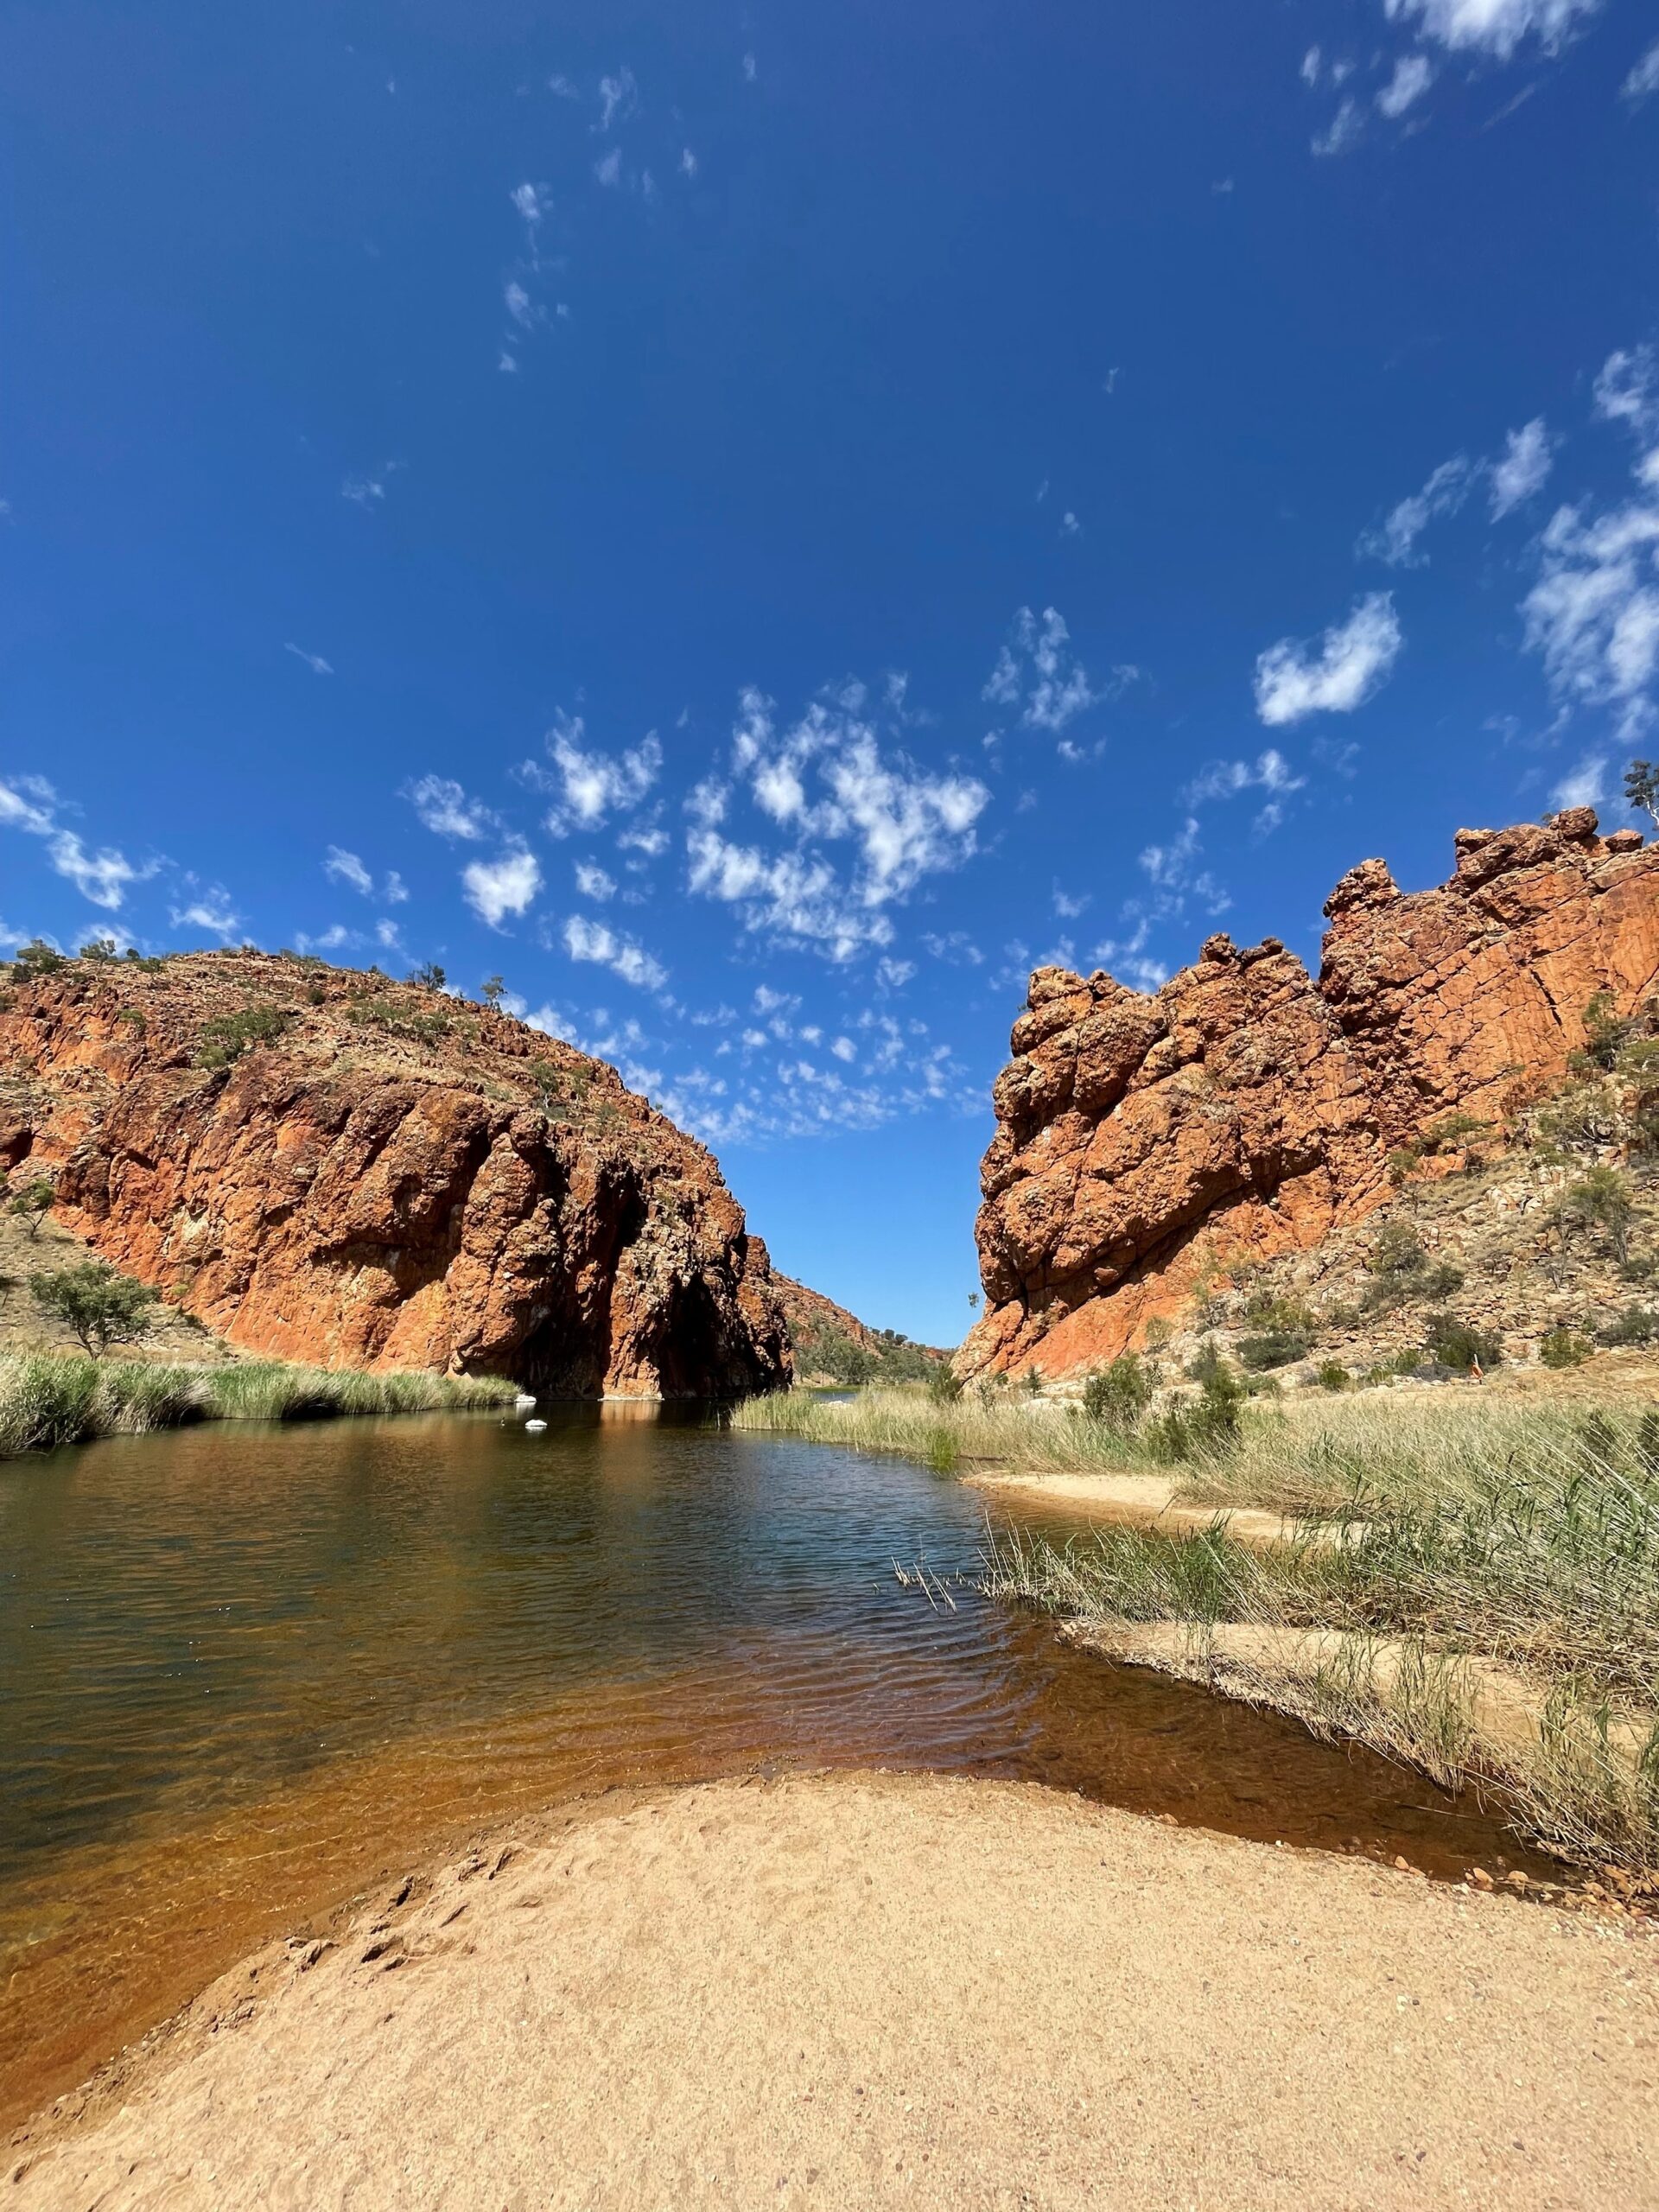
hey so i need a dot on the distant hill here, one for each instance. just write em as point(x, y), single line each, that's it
point(831, 1344)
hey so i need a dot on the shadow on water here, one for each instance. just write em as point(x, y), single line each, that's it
point(242, 1671)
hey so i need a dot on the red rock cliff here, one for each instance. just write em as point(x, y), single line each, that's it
point(395, 1179)
point(1248, 1108)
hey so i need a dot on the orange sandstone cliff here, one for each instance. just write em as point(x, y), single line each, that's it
point(1248, 1109)
point(385, 1177)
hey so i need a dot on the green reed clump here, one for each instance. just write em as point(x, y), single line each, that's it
point(46, 1400)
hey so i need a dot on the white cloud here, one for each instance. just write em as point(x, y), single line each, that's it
point(1310, 65)
point(29, 803)
point(346, 868)
point(519, 303)
point(608, 167)
point(1270, 771)
point(607, 948)
point(314, 662)
point(1644, 80)
point(1627, 389)
point(1585, 786)
point(506, 885)
point(1494, 26)
point(103, 876)
point(844, 1049)
point(363, 491)
point(33, 814)
point(1070, 527)
point(593, 883)
point(688, 162)
point(531, 201)
point(211, 911)
point(1337, 674)
point(387, 934)
point(593, 785)
point(616, 96)
point(1039, 674)
point(1345, 128)
point(1068, 905)
point(1413, 75)
point(1593, 613)
point(1394, 540)
point(331, 940)
point(445, 809)
point(1528, 455)
point(395, 891)
point(751, 69)
point(648, 839)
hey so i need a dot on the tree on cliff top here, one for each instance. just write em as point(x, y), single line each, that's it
point(1642, 789)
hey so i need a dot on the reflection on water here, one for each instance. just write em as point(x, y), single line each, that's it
point(244, 1670)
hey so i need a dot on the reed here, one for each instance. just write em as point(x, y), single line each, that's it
point(46, 1400)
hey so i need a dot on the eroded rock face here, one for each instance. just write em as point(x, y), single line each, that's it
point(1248, 1108)
point(397, 1179)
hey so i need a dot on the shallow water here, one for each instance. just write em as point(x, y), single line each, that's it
point(243, 1671)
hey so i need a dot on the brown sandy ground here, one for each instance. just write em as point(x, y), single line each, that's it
point(854, 1991)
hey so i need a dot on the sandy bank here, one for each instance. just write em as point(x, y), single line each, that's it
point(857, 1990)
point(1146, 1502)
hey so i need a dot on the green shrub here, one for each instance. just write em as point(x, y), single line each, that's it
point(227, 1036)
point(1207, 1426)
point(1440, 1282)
point(30, 1204)
point(1561, 1348)
point(1117, 1396)
point(429, 976)
point(1331, 1375)
point(1261, 1354)
point(1459, 1345)
point(1205, 1363)
point(944, 1384)
point(1636, 1324)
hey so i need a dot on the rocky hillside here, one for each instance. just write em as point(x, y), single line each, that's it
point(1147, 1146)
point(832, 1345)
point(318, 1164)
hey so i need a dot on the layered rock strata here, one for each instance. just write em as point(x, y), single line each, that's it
point(385, 1177)
point(1248, 1108)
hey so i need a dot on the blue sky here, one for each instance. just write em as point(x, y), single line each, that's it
point(757, 525)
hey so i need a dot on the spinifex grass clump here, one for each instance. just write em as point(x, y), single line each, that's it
point(46, 1402)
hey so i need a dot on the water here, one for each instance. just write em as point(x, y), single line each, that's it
point(245, 1671)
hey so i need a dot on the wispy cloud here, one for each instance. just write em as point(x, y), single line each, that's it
point(210, 910)
point(1413, 75)
point(593, 883)
point(1627, 389)
point(342, 867)
point(827, 780)
point(1586, 785)
point(1345, 128)
point(1644, 80)
point(1039, 673)
point(1334, 674)
point(1523, 469)
point(589, 940)
point(591, 785)
point(30, 803)
point(618, 96)
point(506, 885)
point(314, 662)
point(444, 808)
point(1494, 26)
point(1593, 613)
point(1394, 540)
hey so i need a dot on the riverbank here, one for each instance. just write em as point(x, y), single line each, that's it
point(1394, 1553)
point(852, 1990)
point(51, 1399)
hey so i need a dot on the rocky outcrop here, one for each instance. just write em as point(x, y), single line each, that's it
point(1248, 1108)
point(808, 1313)
point(378, 1175)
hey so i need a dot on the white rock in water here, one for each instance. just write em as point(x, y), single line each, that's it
point(524, 1403)
point(534, 1427)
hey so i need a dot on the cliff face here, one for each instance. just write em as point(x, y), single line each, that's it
point(1248, 1108)
point(385, 1178)
point(808, 1313)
